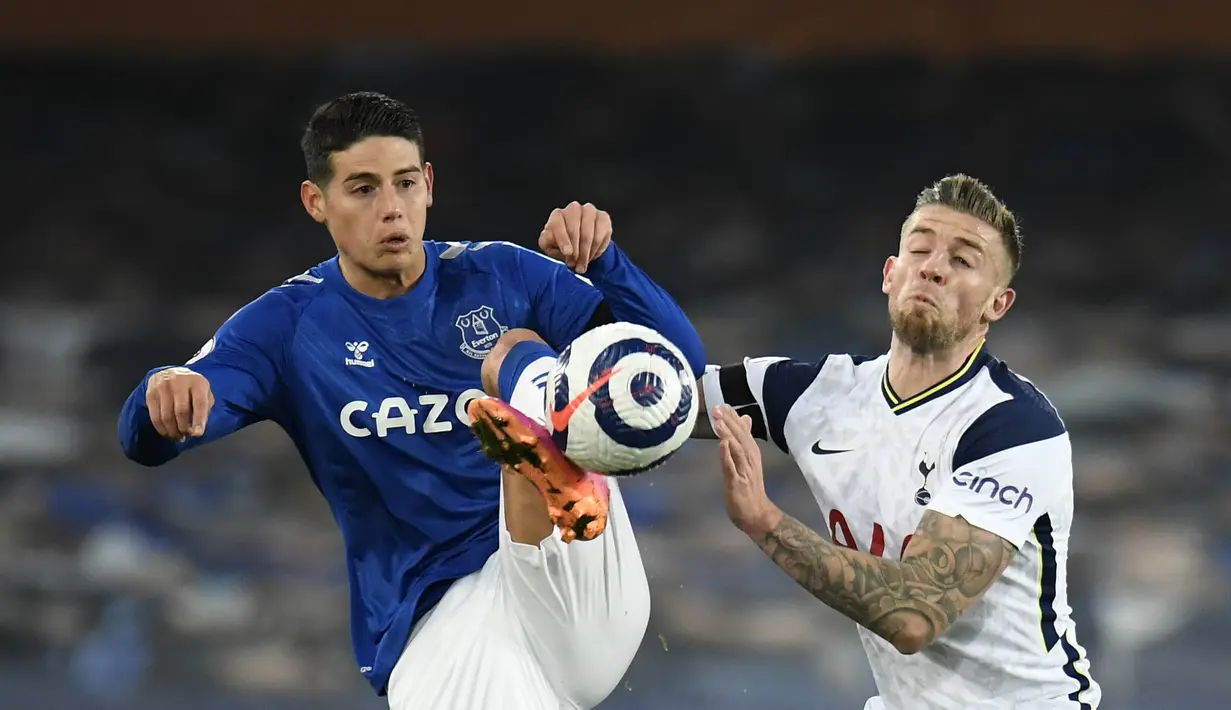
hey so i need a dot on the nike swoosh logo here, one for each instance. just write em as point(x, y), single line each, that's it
point(816, 449)
point(560, 418)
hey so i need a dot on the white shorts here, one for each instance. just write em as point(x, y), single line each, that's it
point(538, 628)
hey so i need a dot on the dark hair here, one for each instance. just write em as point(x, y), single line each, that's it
point(346, 120)
point(970, 196)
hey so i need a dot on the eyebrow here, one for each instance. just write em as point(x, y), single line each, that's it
point(376, 178)
point(964, 240)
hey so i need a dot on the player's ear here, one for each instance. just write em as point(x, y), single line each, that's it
point(313, 200)
point(887, 274)
point(1000, 305)
point(429, 180)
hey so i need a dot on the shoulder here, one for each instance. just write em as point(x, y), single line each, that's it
point(300, 288)
point(478, 256)
point(852, 368)
point(496, 257)
point(788, 378)
point(832, 375)
point(277, 310)
point(1023, 416)
point(294, 295)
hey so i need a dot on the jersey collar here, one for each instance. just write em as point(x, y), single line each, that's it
point(969, 368)
point(422, 291)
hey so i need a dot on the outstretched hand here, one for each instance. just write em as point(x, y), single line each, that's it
point(748, 505)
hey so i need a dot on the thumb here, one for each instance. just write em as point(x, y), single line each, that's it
point(547, 245)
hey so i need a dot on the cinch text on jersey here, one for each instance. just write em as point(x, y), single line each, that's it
point(1008, 495)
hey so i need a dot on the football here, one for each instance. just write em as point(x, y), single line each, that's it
point(621, 399)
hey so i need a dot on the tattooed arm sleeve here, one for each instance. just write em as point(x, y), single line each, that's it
point(909, 602)
point(1011, 466)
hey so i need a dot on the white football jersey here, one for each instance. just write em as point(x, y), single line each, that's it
point(985, 445)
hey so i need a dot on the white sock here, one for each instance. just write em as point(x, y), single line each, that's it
point(530, 393)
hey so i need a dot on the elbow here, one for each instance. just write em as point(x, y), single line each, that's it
point(910, 645)
point(143, 456)
point(149, 456)
point(147, 448)
point(912, 634)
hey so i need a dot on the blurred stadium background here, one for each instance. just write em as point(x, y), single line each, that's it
point(758, 162)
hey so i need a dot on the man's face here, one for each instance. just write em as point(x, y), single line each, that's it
point(950, 278)
point(375, 204)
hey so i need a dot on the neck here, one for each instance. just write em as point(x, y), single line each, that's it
point(384, 284)
point(912, 372)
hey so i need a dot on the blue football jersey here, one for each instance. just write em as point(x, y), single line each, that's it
point(374, 392)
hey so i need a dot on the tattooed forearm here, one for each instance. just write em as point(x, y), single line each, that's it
point(947, 567)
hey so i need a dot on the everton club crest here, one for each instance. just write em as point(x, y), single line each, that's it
point(480, 331)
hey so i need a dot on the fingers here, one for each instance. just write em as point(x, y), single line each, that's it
point(577, 235)
point(728, 461)
point(183, 407)
point(179, 403)
point(554, 240)
point(153, 402)
point(602, 232)
point(585, 235)
point(572, 226)
point(721, 428)
point(735, 436)
point(728, 440)
point(202, 401)
point(740, 455)
point(732, 424)
point(547, 244)
point(563, 225)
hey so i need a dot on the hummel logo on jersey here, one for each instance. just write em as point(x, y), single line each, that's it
point(358, 348)
point(816, 449)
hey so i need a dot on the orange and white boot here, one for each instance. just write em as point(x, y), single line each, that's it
point(577, 500)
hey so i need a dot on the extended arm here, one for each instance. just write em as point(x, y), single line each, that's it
point(763, 389)
point(234, 377)
point(964, 542)
point(947, 567)
point(635, 298)
point(612, 288)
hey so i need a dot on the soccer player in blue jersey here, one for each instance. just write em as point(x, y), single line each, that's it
point(464, 593)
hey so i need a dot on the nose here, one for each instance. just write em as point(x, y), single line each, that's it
point(935, 269)
point(390, 206)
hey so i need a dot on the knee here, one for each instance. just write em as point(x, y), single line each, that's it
point(490, 372)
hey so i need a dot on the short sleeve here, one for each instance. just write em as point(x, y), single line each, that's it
point(1010, 468)
point(763, 388)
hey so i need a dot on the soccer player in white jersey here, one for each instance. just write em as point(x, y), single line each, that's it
point(945, 479)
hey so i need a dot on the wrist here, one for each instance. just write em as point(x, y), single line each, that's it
point(759, 527)
point(604, 263)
